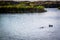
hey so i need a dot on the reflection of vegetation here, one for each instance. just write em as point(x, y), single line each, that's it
point(22, 9)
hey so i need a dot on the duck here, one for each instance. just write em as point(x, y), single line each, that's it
point(41, 27)
point(50, 25)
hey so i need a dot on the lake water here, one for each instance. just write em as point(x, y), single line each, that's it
point(28, 26)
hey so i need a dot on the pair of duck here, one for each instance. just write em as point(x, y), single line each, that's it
point(49, 26)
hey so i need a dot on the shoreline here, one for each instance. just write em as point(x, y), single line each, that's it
point(27, 6)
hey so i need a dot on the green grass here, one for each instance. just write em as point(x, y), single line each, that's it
point(22, 6)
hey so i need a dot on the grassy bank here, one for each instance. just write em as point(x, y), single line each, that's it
point(22, 7)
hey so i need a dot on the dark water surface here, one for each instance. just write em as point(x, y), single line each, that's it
point(28, 26)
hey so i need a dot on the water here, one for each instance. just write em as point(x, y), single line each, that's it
point(28, 26)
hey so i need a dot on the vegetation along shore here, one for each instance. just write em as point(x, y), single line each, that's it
point(26, 6)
